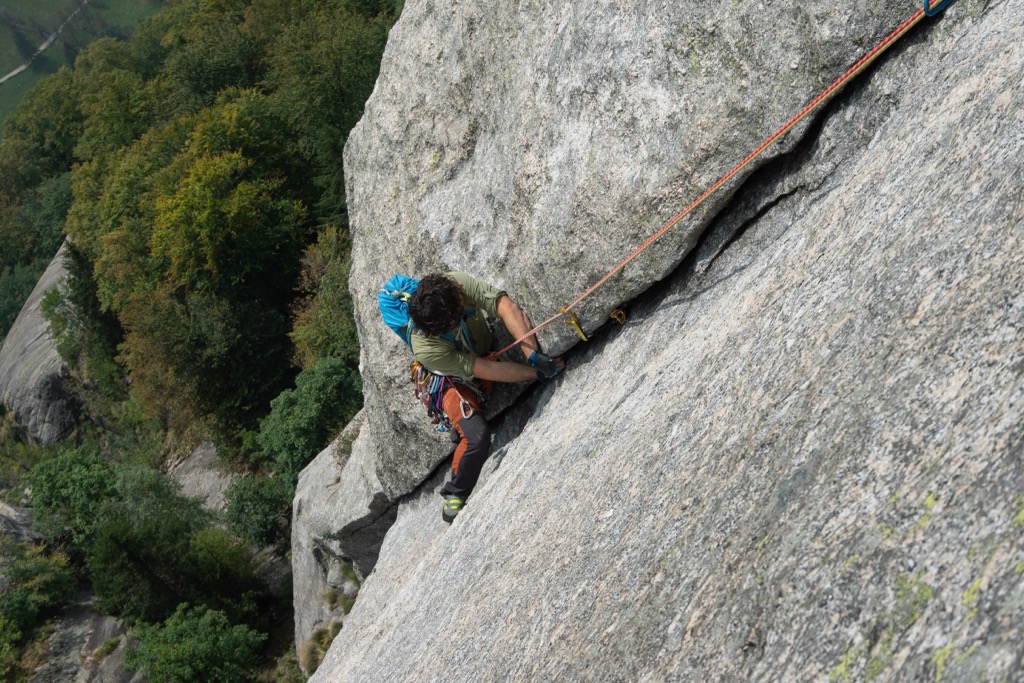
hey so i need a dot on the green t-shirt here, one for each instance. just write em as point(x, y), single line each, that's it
point(438, 355)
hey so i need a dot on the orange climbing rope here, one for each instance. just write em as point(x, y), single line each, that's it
point(929, 8)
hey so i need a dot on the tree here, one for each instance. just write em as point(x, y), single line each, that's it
point(48, 207)
point(323, 324)
point(255, 507)
point(38, 583)
point(153, 548)
point(196, 644)
point(9, 637)
point(302, 420)
point(67, 492)
point(48, 118)
point(222, 227)
point(138, 556)
point(322, 70)
point(209, 53)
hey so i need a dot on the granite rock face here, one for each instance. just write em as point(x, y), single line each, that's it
point(321, 566)
point(31, 370)
point(16, 523)
point(534, 144)
point(201, 476)
point(75, 649)
point(801, 458)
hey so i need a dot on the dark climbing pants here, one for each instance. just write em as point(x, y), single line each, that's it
point(474, 442)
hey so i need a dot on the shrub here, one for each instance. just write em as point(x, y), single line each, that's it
point(323, 325)
point(67, 492)
point(255, 506)
point(314, 649)
point(153, 548)
point(138, 556)
point(38, 583)
point(9, 637)
point(196, 644)
point(302, 420)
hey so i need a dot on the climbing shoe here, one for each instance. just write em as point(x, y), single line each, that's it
point(452, 505)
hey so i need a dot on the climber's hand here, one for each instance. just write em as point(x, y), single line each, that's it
point(546, 367)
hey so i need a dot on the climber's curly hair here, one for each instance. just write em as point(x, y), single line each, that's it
point(436, 305)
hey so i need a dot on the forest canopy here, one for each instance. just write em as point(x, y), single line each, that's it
point(194, 174)
point(197, 170)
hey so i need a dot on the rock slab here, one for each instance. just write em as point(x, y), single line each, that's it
point(31, 370)
point(800, 459)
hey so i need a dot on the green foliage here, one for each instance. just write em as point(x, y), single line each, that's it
point(302, 420)
point(332, 51)
point(224, 574)
point(286, 669)
point(315, 648)
point(224, 224)
point(138, 554)
point(49, 120)
point(199, 260)
point(16, 283)
point(48, 206)
point(210, 52)
point(117, 112)
point(86, 337)
point(106, 648)
point(152, 549)
point(323, 324)
point(256, 506)
point(38, 583)
point(9, 638)
point(196, 644)
point(208, 155)
point(17, 460)
point(67, 492)
point(197, 170)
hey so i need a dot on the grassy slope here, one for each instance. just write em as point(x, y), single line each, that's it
point(25, 24)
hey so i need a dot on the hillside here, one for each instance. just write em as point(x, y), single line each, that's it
point(37, 37)
point(800, 458)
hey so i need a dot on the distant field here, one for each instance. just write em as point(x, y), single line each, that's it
point(26, 24)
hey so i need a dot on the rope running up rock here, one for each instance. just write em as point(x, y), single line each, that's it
point(929, 8)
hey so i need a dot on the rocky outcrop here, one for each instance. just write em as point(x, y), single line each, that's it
point(324, 583)
point(86, 647)
point(800, 459)
point(31, 370)
point(16, 523)
point(537, 163)
point(201, 476)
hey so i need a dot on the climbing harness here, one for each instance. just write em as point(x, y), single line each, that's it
point(928, 8)
point(430, 387)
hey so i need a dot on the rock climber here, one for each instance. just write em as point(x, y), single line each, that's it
point(451, 338)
